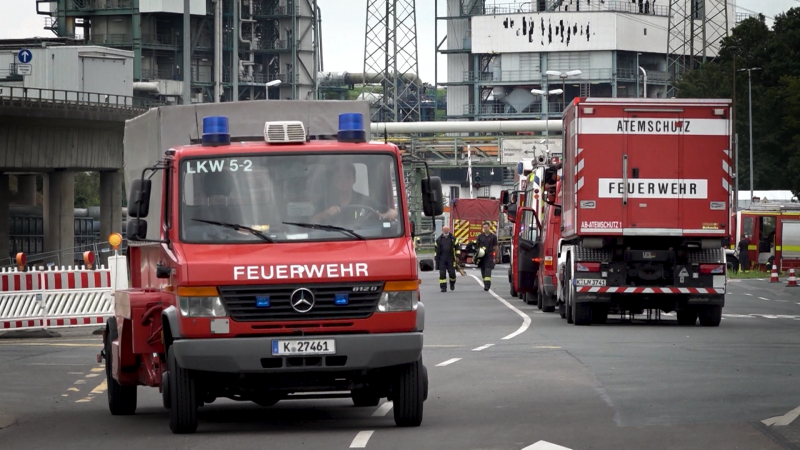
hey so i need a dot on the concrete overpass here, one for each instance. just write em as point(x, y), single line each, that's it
point(57, 133)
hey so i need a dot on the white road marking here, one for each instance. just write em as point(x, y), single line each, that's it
point(544, 445)
point(361, 439)
point(91, 375)
point(482, 347)
point(762, 298)
point(80, 382)
point(73, 389)
point(526, 319)
point(383, 409)
point(448, 362)
point(100, 388)
point(784, 420)
point(98, 369)
point(749, 295)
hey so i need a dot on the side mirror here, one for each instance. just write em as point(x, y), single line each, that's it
point(504, 198)
point(426, 265)
point(512, 213)
point(557, 212)
point(432, 201)
point(413, 230)
point(137, 230)
point(139, 200)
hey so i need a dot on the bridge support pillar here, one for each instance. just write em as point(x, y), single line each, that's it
point(5, 192)
point(110, 204)
point(26, 190)
point(59, 217)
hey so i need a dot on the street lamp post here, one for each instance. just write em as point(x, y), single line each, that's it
point(563, 76)
point(750, 107)
point(547, 113)
point(269, 85)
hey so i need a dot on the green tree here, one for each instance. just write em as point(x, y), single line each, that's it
point(87, 189)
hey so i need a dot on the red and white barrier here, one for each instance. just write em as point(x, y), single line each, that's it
point(649, 290)
point(60, 297)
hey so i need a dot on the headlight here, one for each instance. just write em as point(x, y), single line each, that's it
point(202, 307)
point(394, 301)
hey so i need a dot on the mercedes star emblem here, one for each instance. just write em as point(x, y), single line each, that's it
point(302, 300)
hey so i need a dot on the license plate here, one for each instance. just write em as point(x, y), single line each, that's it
point(590, 282)
point(304, 347)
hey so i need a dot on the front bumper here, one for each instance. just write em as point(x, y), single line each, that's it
point(254, 354)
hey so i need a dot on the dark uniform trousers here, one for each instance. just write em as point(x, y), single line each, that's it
point(488, 242)
point(446, 258)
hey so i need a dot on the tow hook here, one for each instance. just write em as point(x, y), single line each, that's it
point(101, 356)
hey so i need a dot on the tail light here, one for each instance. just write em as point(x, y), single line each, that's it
point(587, 267)
point(712, 269)
point(548, 257)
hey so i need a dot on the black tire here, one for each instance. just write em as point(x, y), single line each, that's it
point(562, 310)
point(599, 313)
point(581, 313)
point(365, 397)
point(687, 317)
point(121, 399)
point(409, 394)
point(549, 308)
point(424, 383)
point(183, 398)
point(711, 316)
point(539, 300)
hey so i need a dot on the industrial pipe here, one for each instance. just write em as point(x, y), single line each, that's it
point(146, 86)
point(508, 126)
point(347, 78)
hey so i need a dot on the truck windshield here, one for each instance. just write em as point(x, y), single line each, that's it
point(309, 197)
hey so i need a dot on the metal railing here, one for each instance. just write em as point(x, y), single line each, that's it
point(506, 110)
point(653, 76)
point(119, 40)
point(528, 76)
point(88, 5)
point(101, 252)
point(72, 100)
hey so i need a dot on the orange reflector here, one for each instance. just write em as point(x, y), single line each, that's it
point(401, 285)
point(548, 263)
point(204, 291)
point(537, 260)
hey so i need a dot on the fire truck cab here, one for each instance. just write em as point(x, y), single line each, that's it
point(282, 268)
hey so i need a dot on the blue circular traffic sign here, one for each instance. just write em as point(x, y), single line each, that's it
point(25, 56)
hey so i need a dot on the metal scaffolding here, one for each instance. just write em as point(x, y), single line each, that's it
point(696, 28)
point(390, 50)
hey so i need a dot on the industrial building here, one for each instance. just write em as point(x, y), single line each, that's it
point(235, 46)
point(498, 53)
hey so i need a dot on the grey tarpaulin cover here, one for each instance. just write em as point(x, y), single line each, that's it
point(148, 136)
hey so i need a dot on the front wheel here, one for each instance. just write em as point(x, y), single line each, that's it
point(183, 397)
point(409, 395)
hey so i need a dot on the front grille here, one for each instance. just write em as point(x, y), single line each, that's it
point(241, 301)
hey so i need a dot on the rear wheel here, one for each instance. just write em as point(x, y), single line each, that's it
point(581, 313)
point(183, 397)
point(539, 299)
point(121, 399)
point(409, 394)
point(711, 316)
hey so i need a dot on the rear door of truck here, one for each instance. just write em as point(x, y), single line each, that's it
point(645, 168)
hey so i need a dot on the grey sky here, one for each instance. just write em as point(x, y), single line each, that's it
point(342, 29)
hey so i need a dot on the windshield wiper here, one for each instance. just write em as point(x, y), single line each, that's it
point(237, 227)
point(317, 226)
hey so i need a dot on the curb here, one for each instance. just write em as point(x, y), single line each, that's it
point(30, 334)
point(6, 420)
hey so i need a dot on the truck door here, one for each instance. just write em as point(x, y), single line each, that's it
point(528, 250)
point(788, 246)
point(651, 161)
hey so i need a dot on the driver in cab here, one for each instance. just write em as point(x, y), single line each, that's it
point(343, 201)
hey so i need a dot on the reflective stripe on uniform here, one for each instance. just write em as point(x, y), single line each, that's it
point(442, 280)
point(487, 278)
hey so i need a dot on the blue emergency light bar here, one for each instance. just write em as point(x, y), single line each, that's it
point(215, 131)
point(351, 128)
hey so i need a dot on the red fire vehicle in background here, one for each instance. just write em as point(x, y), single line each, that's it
point(774, 230)
point(467, 216)
point(550, 237)
point(247, 285)
point(645, 208)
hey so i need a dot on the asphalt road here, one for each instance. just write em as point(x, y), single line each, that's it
point(503, 375)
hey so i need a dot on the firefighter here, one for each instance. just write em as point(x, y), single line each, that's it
point(486, 244)
point(446, 258)
point(744, 260)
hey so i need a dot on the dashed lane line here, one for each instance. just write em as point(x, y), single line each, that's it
point(526, 319)
point(784, 420)
point(361, 439)
point(383, 409)
point(482, 347)
point(762, 298)
point(448, 362)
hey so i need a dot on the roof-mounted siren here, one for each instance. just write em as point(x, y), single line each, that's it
point(215, 131)
point(285, 132)
point(351, 128)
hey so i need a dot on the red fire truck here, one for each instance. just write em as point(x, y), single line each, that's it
point(645, 208)
point(467, 216)
point(774, 230)
point(254, 283)
point(550, 237)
